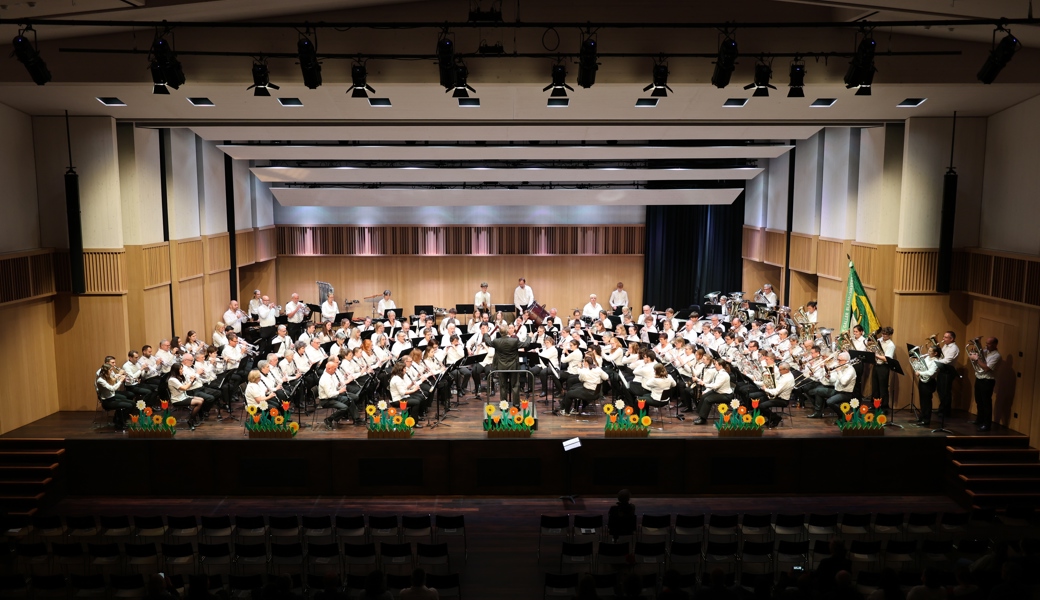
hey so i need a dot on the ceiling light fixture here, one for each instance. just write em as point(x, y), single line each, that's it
point(199, 101)
point(659, 81)
point(310, 67)
point(110, 101)
point(823, 102)
point(587, 65)
point(558, 86)
point(29, 56)
point(999, 56)
point(462, 88)
point(735, 103)
point(446, 61)
point(763, 73)
point(359, 81)
point(290, 102)
point(911, 103)
point(261, 79)
point(725, 62)
point(797, 84)
point(861, 68)
point(166, 69)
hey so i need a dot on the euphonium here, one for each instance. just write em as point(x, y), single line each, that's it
point(873, 344)
point(845, 341)
point(932, 342)
point(973, 347)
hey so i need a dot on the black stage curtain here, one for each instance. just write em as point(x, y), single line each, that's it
point(691, 251)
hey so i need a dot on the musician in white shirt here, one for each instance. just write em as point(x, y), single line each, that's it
point(446, 338)
point(307, 334)
point(178, 386)
point(405, 389)
point(134, 382)
point(333, 394)
point(570, 362)
point(268, 312)
point(234, 317)
point(329, 308)
point(557, 322)
point(859, 341)
point(778, 395)
point(540, 371)
point(523, 296)
point(811, 311)
point(836, 388)
point(590, 377)
point(453, 353)
point(717, 390)
point(947, 371)
point(218, 337)
point(281, 341)
point(591, 308)
point(402, 344)
point(451, 319)
point(255, 302)
point(736, 327)
point(770, 295)
point(314, 352)
point(985, 365)
point(482, 299)
point(618, 298)
point(879, 377)
point(165, 357)
point(385, 303)
point(926, 383)
point(294, 309)
point(257, 394)
point(476, 346)
point(657, 386)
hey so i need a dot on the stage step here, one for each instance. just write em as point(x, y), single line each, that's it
point(30, 473)
point(1003, 499)
point(988, 441)
point(1001, 484)
point(997, 469)
point(994, 455)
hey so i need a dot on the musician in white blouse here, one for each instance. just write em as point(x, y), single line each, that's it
point(591, 308)
point(385, 303)
point(255, 302)
point(268, 312)
point(589, 376)
point(811, 311)
point(453, 353)
point(234, 317)
point(332, 393)
point(294, 309)
point(777, 396)
point(541, 371)
point(657, 386)
point(218, 338)
point(401, 344)
point(523, 296)
point(482, 299)
point(404, 389)
point(178, 386)
point(329, 308)
point(618, 298)
point(256, 393)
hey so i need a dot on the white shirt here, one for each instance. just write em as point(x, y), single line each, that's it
point(254, 306)
point(219, 339)
point(290, 307)
point(784, 386)
point(255, 392)
point(233, 320)
point(843, 379)
point(267, 315)
point(328, 386)
point(950, 352)
point(618, 298)
point(133, 371)
point(591, 310)
point(232, 356)
point(399, 387)
point(860, 343)
point(720, 383)
point(329, 310)
point(165, 358)
point(642, 372)
point(770, 299)
point(385, 305)
point(481, 298)
point(280, 343)
point(812, 316)
point(572, 362)
point(176, 394)
point(657, 385)
point(314, 355)
point(992, 359)
point(449, 321)
point(400, 347)
point(552, 354)
point(889, 349)
point(523, 296)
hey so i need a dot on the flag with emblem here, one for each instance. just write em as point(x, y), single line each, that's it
point(858, 309)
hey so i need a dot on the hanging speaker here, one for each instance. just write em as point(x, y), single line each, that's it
point(72, 212)
point(949, 213)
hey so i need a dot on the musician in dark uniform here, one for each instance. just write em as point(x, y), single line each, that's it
point(507, 351)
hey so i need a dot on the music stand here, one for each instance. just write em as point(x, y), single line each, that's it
point(315, 309)
point(464, 309)
point(281, 320)
point(420, 308)
point(367, 335)
point(387, 311)
point(895, 365)
point(712, 309)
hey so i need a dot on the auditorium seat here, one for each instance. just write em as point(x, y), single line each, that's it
point(723, 526)
point(359, 555)
point(756, 527)
point(689, 528)
point(323, 558)
point(655, 528)
point(821, 526)
point(142, 557)
point(81, 527)
point(651, 553)
point(900, 554)
point(418, 528)
point(576, 554)
point(861, 551)
point(149, 527)
point(587, 528)
point(386, 528)
point(103, 557)
point(316, 528)
point(451, 526)
point(720, 554)
point(214, 555)
point(284, 529)
point(396, 555)
point(88, 585)
point(251, 528)
point(854, 526)
point(557, 585)
point(759, 554)
point(178, 557)
point(216, 527)
point(684, 556)
point(611, 554)
point(792, 554)
point(288, 555)
point(250, 555)
point(431, 556)
point(351, 528)
point(789, 526)
point(186, 527)
point(888, 525)
point(553, 526)
point(243, 586)
point(127, 586)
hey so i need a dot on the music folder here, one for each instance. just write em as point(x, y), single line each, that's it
point(367, 335)
point(504, 308)
point(711, 309)
point(423, 308)
point(325, 347)
point(281, 320)
point(653, 338)
point(388, 311)
point(343, 315)
point(464, 309)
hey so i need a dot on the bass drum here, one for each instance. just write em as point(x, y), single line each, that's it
point(538, 313)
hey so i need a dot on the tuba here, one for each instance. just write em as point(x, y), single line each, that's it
point(844, 341)
point(973, 347)
point(873, 343)
point(917, 363)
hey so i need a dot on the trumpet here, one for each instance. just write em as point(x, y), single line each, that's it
point(971, 348)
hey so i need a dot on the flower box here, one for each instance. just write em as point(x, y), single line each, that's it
point(862, 432)
point(269, 435)
point(150, 433)
point(627, 433)
point(508, 433)
point(400, 434)
point(740, 432)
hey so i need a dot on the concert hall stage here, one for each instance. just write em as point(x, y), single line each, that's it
point(804, 456)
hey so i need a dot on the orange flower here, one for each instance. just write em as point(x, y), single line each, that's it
point(523, 404)
point(403, 405)
point(642, 404)
point(848, 417)
point(742, 410)
point(629, 410)
point(613, 418)
point(148, 411)
point(391, 411)
point(285, 406)
point(164, 404)
point(274, 412)
point(529, 421)
point(256, 418)
point(754, 403)
point(512, 411)
point(496, 419)
point(863, 408)
point(134, 418)
point(171, 421)
point(882, 419)
point(726, 417)
point(375, 419)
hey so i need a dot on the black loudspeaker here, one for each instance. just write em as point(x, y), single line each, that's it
point(949, 213)
point(78, 278)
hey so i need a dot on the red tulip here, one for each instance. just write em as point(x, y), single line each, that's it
point(877, 402)
point(285, 406)
point(754, 403)
point(642, 404)
point(404, 405)
point(164, 404)
point(848, 416)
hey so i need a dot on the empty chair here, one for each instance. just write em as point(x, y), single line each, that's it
point(606, 584)
point(854, 526)
point(182, 527)
point(142, 557)
point(684, 556)
point(359, 555)
point(250, 555)
point(31, 555)
point(102, 556)
point(651, 553)
point(287, 555)
point(655, 528)
point(572, 554)
point(323, 558)
point(351, 528)
point(587, 528)
point(384, 528)
point(861, 551)
point(612, 553)
point(719, 554)
point(723, 526)
point(447, 586)
point(316, 528)
point(284, 529)
point(954, 524)
point(252, 528)
point(116, 527)
point(821, 526)
point(48, 527)
point(69, 556)
point(128, 586)
point(553, 526)
point(792, 554)
point(14, 586)
point(451, 526)
point(49, 586)
point(972, 549)
point(88, 585)
point(758, 555)
point(821, 549)
point(214, 555)
point(396, 583)
point(789, 526)
point(921, 524)
point(214, 528)
point(689, 528)
point(417, 528)
point(81, 527)
point(149, 527)
point(396, 555)
point(900, 554)
point(178, 555)
point(429, 556)
point(888, 525)
point(756, 527)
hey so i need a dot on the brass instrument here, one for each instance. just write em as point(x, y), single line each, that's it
point(826, 342)
point(973, 347)
point(917, 363)
point(873, 343)
point(845, 341)
point(932, 342)
point(305, 310)
point(767, 377)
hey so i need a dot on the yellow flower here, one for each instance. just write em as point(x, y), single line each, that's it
point(747, 418)
point(869, 417)
point(410, 422)
point(845, 407)
point(398, 420)
point(171, 421)
point(633, 419)
point(518, 419)
point(722, 409)
point(529, 421)
point(882, 419)
point(608, 408)
point(279, 420)
point(489, 409)
point(370, 409)
point(645, 421)
point(157, 419)
point(251, 409)
point(760, 420)
point(294, 426)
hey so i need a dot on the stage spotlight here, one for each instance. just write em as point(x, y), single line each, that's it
point(763, 73)
point(660, 82)
point(461, 87)
point(446, 62)
point(999, 57)
point(166, 69)
point(725, 63)
point(587, 65)
point(864, 86)
point(861, 67)
point(261, 79)
point(797, 84)
point(27, 54)
point(359, 81)
point(559, 87)
point(307, 52)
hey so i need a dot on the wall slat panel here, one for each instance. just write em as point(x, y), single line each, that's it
point(865, 257)
point(751, 243)
point(915, 271)
point(245, 247)
point(27, 275)
point(156, 262)
point(803, 253)
point(105, 271)
point(775, 249)
point(980, 270)
point(190, 259)
point(830, 261)
point(266, 243)
point(1009, 276)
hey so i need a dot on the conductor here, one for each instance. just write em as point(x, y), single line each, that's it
point(507, 349)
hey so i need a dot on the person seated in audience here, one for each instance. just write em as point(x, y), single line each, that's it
point(375, 589)
point(931, 587)
point(621, 518)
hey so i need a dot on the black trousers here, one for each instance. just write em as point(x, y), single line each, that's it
point(345, 405)
point(926, 389)
point(478, 373)
point(879, 384)
point(984, 400)
point(580, 395)
point(509, 387)
point(121, 405)
point(462, 377)
point(944, 386)
point(709, 401)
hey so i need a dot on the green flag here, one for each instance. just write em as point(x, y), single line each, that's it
point(857, 306)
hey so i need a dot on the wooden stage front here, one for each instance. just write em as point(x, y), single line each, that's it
point(804, 456)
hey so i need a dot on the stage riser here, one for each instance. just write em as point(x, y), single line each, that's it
point(867, 466)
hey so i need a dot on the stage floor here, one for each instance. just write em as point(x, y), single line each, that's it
point(466, 423)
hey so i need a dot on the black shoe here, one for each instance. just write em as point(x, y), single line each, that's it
point(815, 415)
point(328, 422)
point(983, 427)
point(699, 421)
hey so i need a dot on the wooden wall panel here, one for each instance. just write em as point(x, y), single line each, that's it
point(245, 247)
point(915, 271)
point(30, 392)
point(830, 259)
point(155, 265)
point(751, 243)
point(216, 297)
point(831, 301)
point(757, 273)
point(803, 253)
point(87, 328)
point(917, 316)
point(191, 310)
point(105, 271)
point(27, 275)
point(775, 250)
point(804, 287)
point(190, 259)
point(266, 243)
point(865, 257)
point(218, 253)
point(260, 276)
point(980, 273)
point(563, 282)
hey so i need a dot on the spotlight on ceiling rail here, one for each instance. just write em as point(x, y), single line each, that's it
point(559, 87)
point(29, 56)
point(587, 65)
point(725, 62)
point(797, 84)
point(761, 85)
point(861, 68)
point(310, 67)
point(166, 69)
point(261, 79)
point(659, 81)
point(998, 58)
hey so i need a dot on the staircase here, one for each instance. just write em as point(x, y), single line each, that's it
point(994, 471)
point(30, 473)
